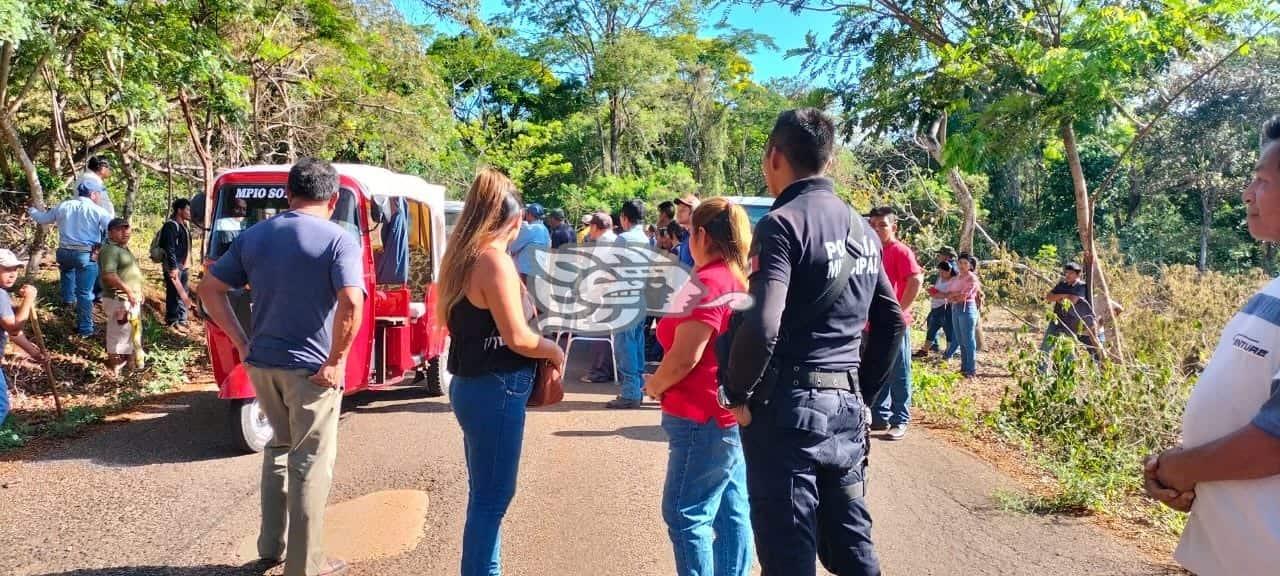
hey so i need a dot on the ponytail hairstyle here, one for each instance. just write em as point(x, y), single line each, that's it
point(491, 208)
point(728, 233)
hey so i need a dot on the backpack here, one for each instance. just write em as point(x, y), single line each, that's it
point(157, 251)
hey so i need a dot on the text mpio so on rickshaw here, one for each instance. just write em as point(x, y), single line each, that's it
point(399, 221)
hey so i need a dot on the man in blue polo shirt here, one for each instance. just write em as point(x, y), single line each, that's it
point(307, 280)
point(81, 225)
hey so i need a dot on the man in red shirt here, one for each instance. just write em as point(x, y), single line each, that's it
point(891, 409)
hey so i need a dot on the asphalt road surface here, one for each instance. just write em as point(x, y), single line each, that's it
point(166, 494)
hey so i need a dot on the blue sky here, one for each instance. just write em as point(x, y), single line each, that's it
point(786, 29)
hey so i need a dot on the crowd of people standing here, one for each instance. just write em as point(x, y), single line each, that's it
point(767, 410)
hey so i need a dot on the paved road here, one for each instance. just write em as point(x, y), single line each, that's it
point(167, 495)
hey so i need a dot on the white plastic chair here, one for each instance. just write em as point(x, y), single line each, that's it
point(574, 337)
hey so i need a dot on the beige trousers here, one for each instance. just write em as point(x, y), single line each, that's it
point(297, 465)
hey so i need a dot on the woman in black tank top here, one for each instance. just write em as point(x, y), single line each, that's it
point(492, 355)
point(476, 345)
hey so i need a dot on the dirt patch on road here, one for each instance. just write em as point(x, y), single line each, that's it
point(371, 527)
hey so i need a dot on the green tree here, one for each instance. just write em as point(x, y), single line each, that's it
point(612, 47)
point(1018, 74)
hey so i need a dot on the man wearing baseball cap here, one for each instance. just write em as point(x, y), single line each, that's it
point(561, 232)
point(532, 234)
point(10, 321)
point(946, 254)
point(122, 281)
point(1073, 312)
point(685, 206)
point(81, 224)
point(600, 231)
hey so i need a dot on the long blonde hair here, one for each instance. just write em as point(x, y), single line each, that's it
point(487, 213)
point(729, 232)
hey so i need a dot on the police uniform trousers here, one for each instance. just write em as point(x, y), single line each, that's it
point(806, 451)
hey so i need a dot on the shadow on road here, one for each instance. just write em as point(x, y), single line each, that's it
point(407, 399)
point(206, 570)
point(184, 427)
point(195, 427)
point(585, 406)
point(643, 433)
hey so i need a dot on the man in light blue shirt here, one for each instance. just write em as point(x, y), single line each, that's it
point(633, 224)
point(81, 224)
point(629, 342)
point(533, 233)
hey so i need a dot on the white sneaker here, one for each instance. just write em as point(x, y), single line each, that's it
point(897, 432)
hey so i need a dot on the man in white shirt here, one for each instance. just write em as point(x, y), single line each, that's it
point(99, 170)
point(601, 229)
point(1227, 470)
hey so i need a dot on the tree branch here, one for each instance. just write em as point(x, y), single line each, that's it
point(1167, 104)
point(6, 56)
point(179, 171)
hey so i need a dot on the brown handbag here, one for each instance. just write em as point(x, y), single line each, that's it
point(548, 382)
point(548, 385)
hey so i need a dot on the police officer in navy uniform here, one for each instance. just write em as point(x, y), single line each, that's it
point(796, 372)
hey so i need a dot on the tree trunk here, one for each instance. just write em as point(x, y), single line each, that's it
point(198, 144)
point(965, 198)
point(132, 181)
point(1084, 218)
point(615, 133)
point(1206, 223)
point(10, 134)
point(933, 144)
point(6, 171)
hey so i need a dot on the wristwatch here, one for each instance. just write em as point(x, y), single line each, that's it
point(724, 401)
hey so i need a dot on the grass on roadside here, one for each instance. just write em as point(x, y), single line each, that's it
point(1089, 426)
point(88, 391)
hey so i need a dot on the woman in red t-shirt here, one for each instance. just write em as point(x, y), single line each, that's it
point(704, 501)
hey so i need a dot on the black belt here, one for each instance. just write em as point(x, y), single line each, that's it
point(804, 378)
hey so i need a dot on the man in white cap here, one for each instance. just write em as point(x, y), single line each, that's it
point(11, 321)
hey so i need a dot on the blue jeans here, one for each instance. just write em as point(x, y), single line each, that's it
point(893, 403)
point(4, 398)
point(630, 361)
point(964, 318)
point(175, 310)
point(705, 501)
point(491, 410)
point(78, 275)
point(939, 319)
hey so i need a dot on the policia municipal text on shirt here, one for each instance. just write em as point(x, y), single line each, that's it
point(794, 368)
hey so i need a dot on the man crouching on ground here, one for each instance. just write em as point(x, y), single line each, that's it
point(308, 288)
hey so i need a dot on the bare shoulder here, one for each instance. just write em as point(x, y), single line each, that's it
point(493, 264)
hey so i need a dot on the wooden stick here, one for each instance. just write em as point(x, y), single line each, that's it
point(48, 364)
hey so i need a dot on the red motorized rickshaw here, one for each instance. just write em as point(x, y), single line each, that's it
point(400, 222)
